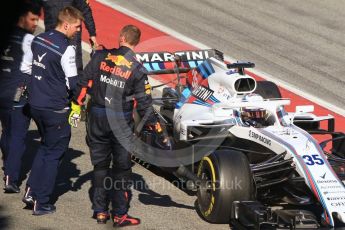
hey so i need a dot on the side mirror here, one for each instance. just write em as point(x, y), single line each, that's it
point(304, 109)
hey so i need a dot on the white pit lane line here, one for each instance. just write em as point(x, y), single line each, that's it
point(167, 30)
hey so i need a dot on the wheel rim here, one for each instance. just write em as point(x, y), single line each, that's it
point(206, 191)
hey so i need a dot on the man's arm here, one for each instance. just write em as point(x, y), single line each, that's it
point(84, 7)
point(142, 94)
point(26, 63)
point(69, 67)
point(78, 96)
point(89, 73)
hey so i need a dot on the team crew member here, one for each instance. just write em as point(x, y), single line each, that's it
point(117, 78)
point(54, 75)
point(14, 110)
point(51, 10)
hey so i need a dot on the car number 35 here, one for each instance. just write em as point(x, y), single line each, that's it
point(313, 159)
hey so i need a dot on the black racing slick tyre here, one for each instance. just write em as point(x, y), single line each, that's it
point(267, 90)
point(226, 177)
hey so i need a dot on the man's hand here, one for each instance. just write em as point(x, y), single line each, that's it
point(162, 140)
point(94, 43)
point(74, 116)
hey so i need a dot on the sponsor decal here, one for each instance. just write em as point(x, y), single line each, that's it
point(113, 82)
point(257, 136)
point(338, 204)
point(195, 80)
point(231, 72)
point(336, 198)
point(327, 181)
point(38, 63)
point(114, 70)
point(119, 60)
point(333, 192)
point(169, 57)
point(147, 87)
point(224, 93)
point(323, 176)
point(330, 187)
point(202, 93)
point(38, 77)
point(41, 57)
point(108, 99)
point(221, 89)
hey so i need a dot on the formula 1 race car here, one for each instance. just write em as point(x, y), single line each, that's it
point(253, 165)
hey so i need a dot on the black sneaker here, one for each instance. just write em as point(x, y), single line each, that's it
point(10, 187)
point(28, 198)
point(101, 217)
point(125, 220)
point(43, 209)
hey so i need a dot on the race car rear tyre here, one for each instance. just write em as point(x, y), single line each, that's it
point(228, 178)
point(267, 89)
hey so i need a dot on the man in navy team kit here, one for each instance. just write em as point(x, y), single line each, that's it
point(14, 110)
point(51, 62)
point(51, 9)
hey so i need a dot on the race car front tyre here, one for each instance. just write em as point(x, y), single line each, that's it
point(225, 177)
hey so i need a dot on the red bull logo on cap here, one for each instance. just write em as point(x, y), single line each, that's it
point(119, 60)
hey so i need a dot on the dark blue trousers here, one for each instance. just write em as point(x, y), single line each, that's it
point(56, 134)
point(18, 125)
point(109, 185)
point(5, 115)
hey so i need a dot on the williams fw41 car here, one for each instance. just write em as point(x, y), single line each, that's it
point(252, 164)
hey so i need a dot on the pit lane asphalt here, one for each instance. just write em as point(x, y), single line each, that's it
point(298, 42)
point(156, 200)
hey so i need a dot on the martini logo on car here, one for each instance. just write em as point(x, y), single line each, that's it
point(195, 55)
point(257, 136)
point(203, 93)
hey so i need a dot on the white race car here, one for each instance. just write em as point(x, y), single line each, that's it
point(253, 165)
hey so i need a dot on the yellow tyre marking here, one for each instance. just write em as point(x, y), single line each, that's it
point(210, 208)
point(213, 172)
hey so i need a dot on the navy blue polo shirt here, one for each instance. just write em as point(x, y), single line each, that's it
point(52, 66)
